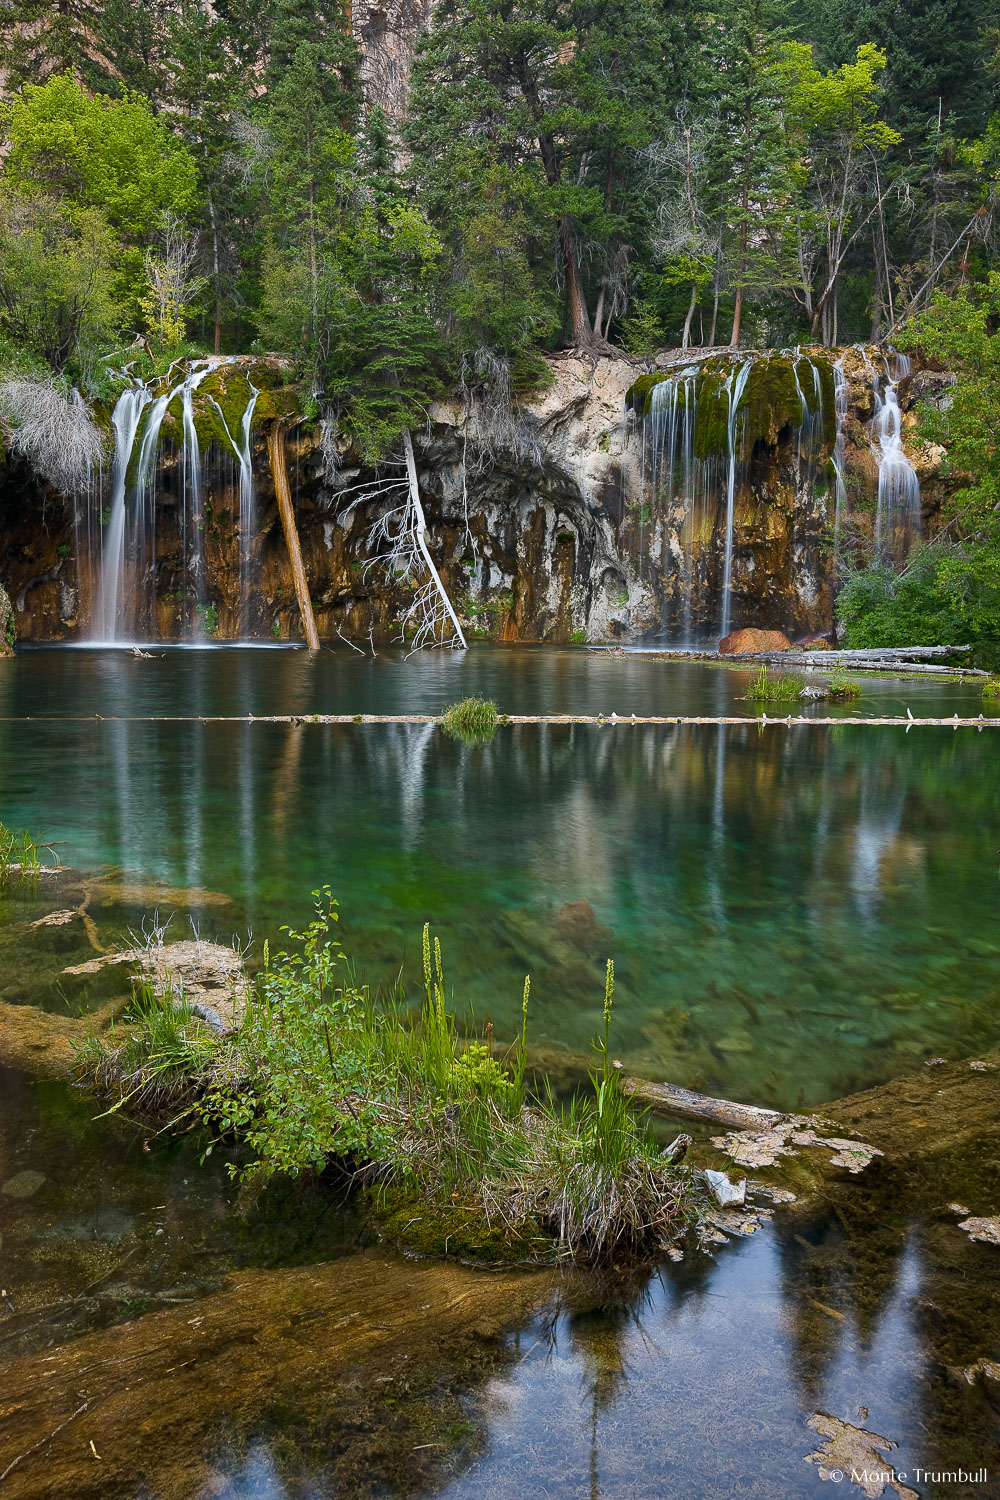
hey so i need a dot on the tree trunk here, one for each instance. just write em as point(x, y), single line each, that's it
point(282, 489)
point(734, 337)
point(686, 336)
point(581, 333)
point(215, 275)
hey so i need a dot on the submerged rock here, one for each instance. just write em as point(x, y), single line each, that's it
point(858, 1453)
point(986, 1230)
point(209, 976)
point(23, 1185)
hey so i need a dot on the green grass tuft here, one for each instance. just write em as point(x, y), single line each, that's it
point(20, 854)
point(842, 688)
point(767, 689)
point(472, 720)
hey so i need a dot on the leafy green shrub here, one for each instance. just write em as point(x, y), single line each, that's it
point(991, 689)
point(471, 720)
point(320, 1072)
point(946, 596)
point(767, 689)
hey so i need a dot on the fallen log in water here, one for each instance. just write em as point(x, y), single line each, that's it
point(827, 659)
point(138, 1408)
point(46, 1045)
point(743, 721)
point(859, 653)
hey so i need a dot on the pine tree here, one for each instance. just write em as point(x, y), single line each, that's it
point(758, 170)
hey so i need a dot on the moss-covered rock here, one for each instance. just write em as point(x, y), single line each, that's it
point(777, 388)
point(408, 1217)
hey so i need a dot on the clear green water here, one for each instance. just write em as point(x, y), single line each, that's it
point(793, 913)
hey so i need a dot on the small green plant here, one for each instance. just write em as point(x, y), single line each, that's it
point(991, 689)
point(63, 549)
point(20, 854)
point(209, 616)
point(276, 628)
point(842, 688)
point(473, 720)
point(767, 689)
point(578, 637)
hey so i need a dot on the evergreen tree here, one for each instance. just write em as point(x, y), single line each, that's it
point(39, 38)
point(553, 99)
point(759, 171)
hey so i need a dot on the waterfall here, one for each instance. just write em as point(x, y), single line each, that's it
point(897, 515)
point(736, 384)
point(841, 393)
point(125, 422)
point(702, 424)
point(248, 516)
point(897, 522)
point(126, 593)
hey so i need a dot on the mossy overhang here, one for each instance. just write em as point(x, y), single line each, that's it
point(772, 400)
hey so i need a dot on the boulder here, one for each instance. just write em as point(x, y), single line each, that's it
point(742, 642)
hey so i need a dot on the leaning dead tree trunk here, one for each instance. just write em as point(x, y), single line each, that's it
point(282, 489)
point(420, 536)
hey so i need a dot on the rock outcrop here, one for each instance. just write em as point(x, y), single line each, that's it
point(557, 524)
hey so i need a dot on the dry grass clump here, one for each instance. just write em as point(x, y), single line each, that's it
point(54, 432)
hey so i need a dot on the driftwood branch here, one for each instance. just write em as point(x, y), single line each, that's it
point(282, 489)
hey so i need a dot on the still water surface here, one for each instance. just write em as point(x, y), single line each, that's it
point(792, 913)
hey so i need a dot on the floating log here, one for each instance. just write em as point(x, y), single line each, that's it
point(825, 660)
point(282, 489)
point(668, 1099)
point(740, 721)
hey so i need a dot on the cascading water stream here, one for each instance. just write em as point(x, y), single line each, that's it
point(736, 384)
point(704, 426)
point(841, 396)
point(125, 423)
point(248, 515)
point(126, 590)
point(897, 521)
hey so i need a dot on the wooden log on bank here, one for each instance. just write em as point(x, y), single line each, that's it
point(282, 489)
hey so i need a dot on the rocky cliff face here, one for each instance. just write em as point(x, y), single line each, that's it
point(572, 520)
